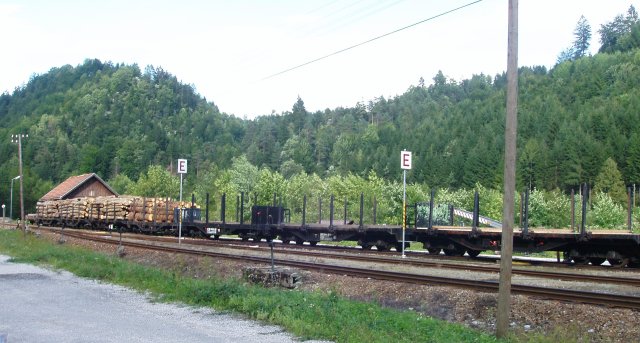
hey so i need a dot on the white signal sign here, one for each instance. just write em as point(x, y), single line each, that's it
point(182, 166)
point(405, 159)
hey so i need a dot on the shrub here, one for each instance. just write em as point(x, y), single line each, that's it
point(606, 213)
point(549, 209)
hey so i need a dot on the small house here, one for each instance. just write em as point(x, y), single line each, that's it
point(86, 185)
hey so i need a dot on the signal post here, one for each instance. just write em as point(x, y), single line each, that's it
point(182, 169)
point(405, 164)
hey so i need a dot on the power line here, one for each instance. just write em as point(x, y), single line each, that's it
point(350, 19)
point(372, 39)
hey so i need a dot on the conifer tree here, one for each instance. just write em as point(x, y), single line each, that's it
point(609, 181)
point(582, 35)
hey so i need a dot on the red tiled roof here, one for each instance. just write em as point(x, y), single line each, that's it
point(69, 185)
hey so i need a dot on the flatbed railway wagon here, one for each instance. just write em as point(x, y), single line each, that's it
point(619, 247)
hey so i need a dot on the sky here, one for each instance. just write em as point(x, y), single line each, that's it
point(234, 52)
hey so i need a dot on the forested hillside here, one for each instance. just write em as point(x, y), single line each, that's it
point(118, 120)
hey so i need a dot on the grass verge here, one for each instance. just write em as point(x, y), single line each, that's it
point(318, 315)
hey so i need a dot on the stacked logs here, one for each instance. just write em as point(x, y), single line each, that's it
point(114, 208)
point(153, 209)
point(47, 209)
point(131, 208)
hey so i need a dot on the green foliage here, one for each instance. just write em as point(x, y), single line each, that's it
point(633, 159)
point(243, 175)
point(581, 42)
point(460, 199)
point(299, 186)
point(609, 181)
point(549, 209)
point(121, 184)
point(157, 182)
point(290, 168)
point(441, 214)
point(528, 170)
point(491, 202)
point(269, 184)
point(621, 34)
point(582, 35)
point(606, 213)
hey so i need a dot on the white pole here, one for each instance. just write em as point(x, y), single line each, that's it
point(180, 213)
point(404, 208)
point(11, 201)
point(22, 225)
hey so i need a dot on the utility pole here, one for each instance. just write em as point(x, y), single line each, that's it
point(504, 290)
point(18, 139)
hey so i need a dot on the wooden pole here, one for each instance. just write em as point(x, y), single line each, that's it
point(18, 139)
point(504, 290)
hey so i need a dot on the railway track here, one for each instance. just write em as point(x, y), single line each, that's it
point(417, 254)
point(470, 267)
point(610, 300)
point(420, 262)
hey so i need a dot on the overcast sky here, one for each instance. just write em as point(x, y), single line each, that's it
point(229, 49)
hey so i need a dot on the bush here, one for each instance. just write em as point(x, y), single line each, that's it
point(549, 209)
point(606, 214)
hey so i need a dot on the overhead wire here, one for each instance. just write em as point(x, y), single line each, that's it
point(328, 4)
point(372, 39)
point(352, 17)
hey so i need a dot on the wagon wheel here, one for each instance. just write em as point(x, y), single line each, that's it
point(618, 262)
point(473, 253)
point(366, 246)
point(434, 251)
point(633, 264)
point(453, 252)
point(313, 243)
point(580, 260)
point(382, 247)
point(398, 247)
point(286, 241)
point(596, 261)
point(299, 242)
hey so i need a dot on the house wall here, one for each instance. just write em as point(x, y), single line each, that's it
point(91, 188)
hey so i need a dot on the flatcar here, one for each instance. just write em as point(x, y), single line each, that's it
point(270, 222)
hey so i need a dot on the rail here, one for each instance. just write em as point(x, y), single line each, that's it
point(603, 299)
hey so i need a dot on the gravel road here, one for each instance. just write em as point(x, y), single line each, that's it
point(40, 305)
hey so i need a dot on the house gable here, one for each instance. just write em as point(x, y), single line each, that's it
point(86, 185)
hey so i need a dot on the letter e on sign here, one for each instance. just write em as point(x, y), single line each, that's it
point(182, 166)
point(405, 159)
